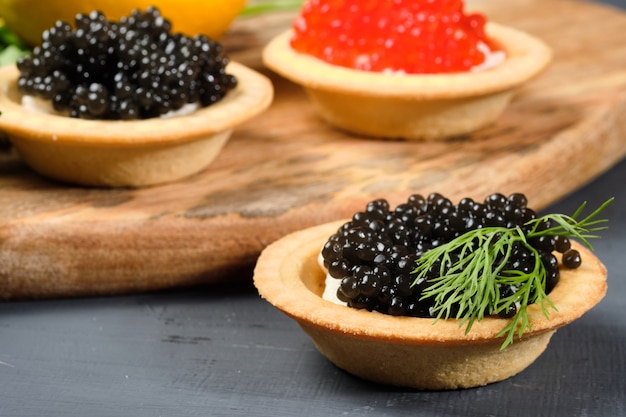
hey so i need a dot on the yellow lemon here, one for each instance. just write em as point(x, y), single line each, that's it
point(29, 18)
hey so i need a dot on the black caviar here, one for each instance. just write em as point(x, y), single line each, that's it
point(376, 252)
point(135, 68)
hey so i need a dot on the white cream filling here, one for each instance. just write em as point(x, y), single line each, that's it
point(40, 105)
point(331, 285)
point(492, 58)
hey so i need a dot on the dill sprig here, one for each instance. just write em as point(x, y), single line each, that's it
point(473, 267)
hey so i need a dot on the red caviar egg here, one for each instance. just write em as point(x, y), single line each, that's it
point(411, 36)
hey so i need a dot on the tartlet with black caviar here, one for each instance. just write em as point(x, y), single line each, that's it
point(125, 103)
point(418, 342)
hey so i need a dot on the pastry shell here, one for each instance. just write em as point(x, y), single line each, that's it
point(406, 351)
point(132, 153)
point(412, 106)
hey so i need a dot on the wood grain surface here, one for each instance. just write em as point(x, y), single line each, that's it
point(287, 170)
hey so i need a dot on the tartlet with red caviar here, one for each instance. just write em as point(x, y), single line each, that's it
point(414, 351)
point(360, 94)
point(125, 103)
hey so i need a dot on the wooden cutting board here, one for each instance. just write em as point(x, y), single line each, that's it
point(287, 170)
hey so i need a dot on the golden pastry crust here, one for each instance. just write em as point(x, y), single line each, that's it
point(409, 351)
point(128, 153)
point(412, 106)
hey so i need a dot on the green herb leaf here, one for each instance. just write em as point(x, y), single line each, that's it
point(472, 269)
point(10, 55)
point(11, 47)
point(260, 7)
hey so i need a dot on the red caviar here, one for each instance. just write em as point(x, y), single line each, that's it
point(411, 36)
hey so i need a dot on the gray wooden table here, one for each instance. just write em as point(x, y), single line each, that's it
point(225, 352)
